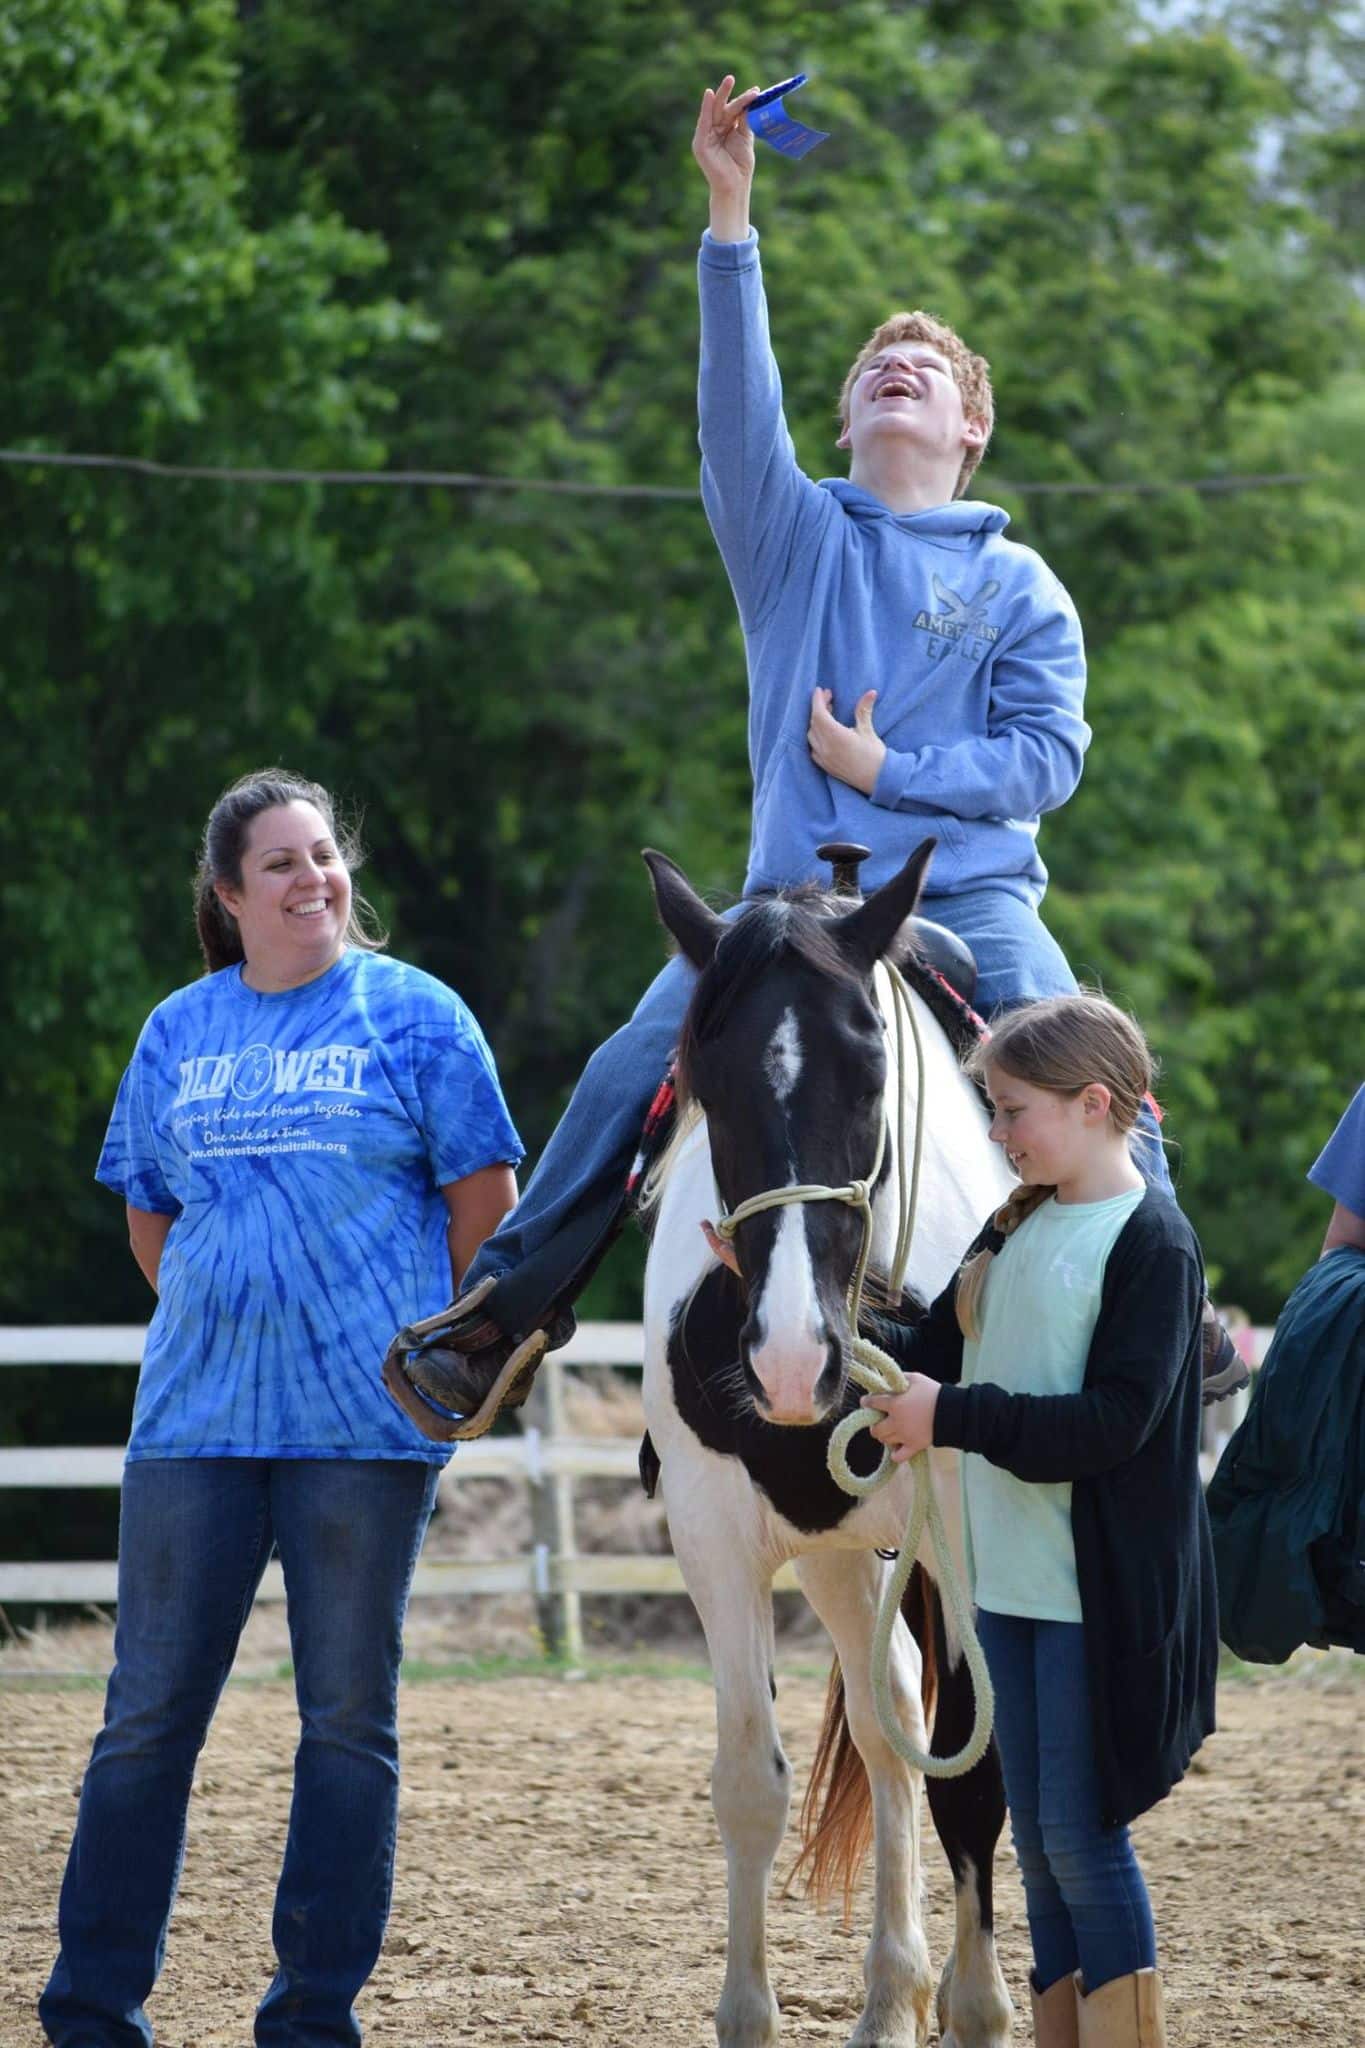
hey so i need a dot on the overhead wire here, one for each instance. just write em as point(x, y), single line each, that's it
point(466, 480)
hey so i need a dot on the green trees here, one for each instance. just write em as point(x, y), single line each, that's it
point(156, 637)
point(422, 237)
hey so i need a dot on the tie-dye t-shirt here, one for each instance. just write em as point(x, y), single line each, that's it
point(300, 1141)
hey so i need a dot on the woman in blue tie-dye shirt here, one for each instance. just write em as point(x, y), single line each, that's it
point(311, 1142)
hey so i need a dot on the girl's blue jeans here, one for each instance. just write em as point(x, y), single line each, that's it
point(194, 1538)
point(1087, 1904)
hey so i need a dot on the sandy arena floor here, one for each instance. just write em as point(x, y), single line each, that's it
point(560, 1877)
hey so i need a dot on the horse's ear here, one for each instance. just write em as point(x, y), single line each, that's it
point(695, 927)
point(868, 933)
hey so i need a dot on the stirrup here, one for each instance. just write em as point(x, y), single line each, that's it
point(442, 1425)
point(413, 1336)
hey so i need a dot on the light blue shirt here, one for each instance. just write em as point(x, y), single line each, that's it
point(969, 639)
point(1040, 1306)
point(300, 1142)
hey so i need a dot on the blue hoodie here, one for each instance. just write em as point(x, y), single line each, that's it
point(971, 643)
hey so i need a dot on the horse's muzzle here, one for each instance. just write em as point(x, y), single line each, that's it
point(797, 1386)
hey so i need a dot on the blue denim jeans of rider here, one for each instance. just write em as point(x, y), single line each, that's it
point(194, 1538)
point(1087, 1903)
point(1017, 958)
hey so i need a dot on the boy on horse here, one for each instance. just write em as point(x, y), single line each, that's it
point(911, 672)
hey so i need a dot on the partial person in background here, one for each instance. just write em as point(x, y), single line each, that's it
point(311, 1142)
point(1339, 1170)
point(1287, 1502)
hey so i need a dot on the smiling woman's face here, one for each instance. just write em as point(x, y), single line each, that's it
point(293, 903)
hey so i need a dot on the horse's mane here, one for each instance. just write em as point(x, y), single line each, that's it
point(797, 920)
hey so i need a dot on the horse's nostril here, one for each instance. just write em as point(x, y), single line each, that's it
point(757, 1391)
point(830, 1384)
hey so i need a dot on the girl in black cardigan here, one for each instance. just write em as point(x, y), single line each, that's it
point(1064, 1359)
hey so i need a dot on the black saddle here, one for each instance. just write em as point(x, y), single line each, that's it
point(947, 954)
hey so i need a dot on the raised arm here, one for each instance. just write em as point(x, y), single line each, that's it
point(754, 491)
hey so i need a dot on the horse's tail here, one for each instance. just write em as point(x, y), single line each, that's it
point(836, 1813)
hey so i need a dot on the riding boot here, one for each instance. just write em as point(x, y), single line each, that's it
point(1055, 2023)
point(1127, 2012)
point(454, 1373)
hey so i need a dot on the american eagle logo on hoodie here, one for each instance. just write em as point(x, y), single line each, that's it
point(959, 618)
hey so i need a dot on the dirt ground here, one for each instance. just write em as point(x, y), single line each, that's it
point(560, 1877)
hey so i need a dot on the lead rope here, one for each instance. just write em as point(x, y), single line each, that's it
point(877, 1373)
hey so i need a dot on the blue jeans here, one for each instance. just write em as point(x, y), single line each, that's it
point(194, 1538)
point(592, 1146)
point(1087, 1903)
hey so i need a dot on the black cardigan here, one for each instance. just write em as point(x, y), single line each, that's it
point(1129, 1443)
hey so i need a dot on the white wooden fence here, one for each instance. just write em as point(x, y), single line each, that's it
point(545, 1458)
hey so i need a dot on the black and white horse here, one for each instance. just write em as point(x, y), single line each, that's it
point(783, 1061)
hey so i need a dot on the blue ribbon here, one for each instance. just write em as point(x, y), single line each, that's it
point(771, 122)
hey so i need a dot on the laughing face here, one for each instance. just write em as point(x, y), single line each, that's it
point(907, 393)
point(293, 903)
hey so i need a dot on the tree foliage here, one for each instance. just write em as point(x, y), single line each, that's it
point(411, 235)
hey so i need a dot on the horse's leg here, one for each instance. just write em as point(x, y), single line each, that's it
point(751, 1778)
point(843, 1587)
point(974, 2009)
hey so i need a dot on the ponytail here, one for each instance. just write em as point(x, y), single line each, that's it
point(220, 942)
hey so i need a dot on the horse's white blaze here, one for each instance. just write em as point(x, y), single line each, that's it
point(793, 1344)
point(782, 1060)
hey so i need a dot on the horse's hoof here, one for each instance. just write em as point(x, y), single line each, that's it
point(748, 2023)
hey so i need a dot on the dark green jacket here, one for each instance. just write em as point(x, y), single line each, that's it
point(1287, 1502)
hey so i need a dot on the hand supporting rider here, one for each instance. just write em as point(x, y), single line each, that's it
point(911, 672)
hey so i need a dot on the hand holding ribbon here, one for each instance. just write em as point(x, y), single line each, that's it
point(768, 117)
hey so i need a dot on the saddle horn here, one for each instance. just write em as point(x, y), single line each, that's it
point(845, 856)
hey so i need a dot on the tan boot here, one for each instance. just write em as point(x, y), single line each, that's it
point(1127, 2012)
point(1054, 2014)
